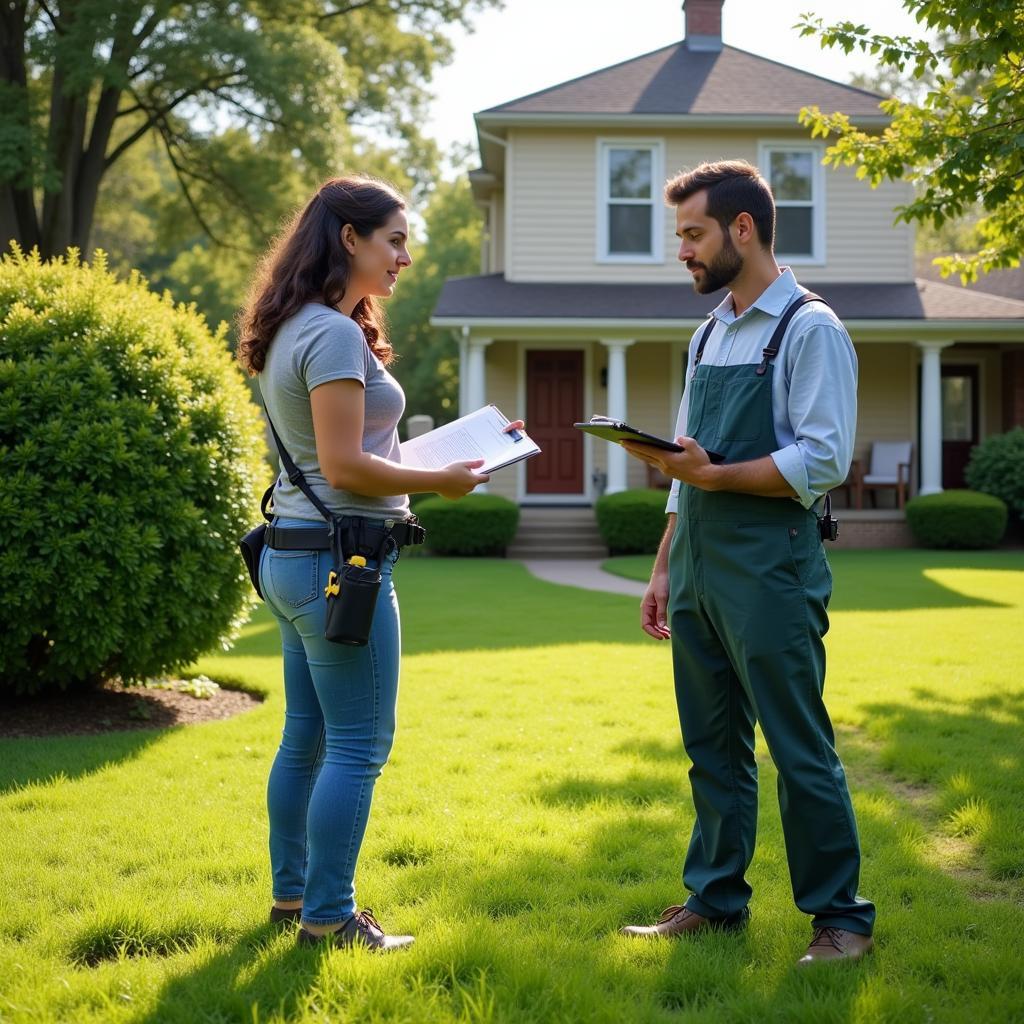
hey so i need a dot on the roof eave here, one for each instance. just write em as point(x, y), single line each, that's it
point(499, 121)
point(861, 329)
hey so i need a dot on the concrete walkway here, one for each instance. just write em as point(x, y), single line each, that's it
point(584, 573)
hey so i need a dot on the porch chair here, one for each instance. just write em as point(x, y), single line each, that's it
point(888, 468)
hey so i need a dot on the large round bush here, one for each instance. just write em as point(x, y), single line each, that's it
point(632, 521)
point(957, 519)
point(478, 524)
point(997, 468)
point(131, 456)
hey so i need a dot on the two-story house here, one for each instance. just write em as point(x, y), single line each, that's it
point(583, 308)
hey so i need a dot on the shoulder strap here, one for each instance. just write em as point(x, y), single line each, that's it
point(771, 350)
point(295, 475)
point(708, 328)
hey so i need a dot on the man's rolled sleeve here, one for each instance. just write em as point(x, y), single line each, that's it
point(822, 406)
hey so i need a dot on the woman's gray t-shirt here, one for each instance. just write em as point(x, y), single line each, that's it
point(316, 345)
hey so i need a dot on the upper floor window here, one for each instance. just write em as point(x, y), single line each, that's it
point(798, 183)
point(629, 214)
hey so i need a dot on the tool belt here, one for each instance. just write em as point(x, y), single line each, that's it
point(359, 536)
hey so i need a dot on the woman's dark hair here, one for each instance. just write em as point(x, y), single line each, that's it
point(733, 187)
point(308, 263)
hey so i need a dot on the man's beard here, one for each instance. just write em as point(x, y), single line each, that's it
point(726, 264)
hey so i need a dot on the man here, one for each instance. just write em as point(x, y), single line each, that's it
point(741, 582)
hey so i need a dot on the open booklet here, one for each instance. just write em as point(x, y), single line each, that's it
point(480, 435)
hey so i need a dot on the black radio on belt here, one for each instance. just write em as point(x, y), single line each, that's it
point(828, 528)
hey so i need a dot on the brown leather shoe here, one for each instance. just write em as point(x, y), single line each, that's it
point(362, 929)
point(680, 921)
point(835, 944)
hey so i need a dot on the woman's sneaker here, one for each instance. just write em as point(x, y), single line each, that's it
point(361, 929)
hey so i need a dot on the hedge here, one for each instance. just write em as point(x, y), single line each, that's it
point(632, 522)
point(996, 467)
point(957, 519)
point(478, 524)
point(132, 459)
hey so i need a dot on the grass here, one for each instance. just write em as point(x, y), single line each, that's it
point(535, 801)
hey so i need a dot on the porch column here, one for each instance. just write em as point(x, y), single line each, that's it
point(476, 384)
point(931, 415)
point(463, 371)
point(617, 404)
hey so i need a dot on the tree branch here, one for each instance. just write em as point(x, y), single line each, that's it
point(181, 173)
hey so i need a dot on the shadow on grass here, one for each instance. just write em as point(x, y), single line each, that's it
point(890, 580)
point(226, 987)
point(24, 762)
point(492, 604)
point(899, 581)
point(970, 749)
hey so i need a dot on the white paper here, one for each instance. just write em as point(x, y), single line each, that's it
point(480, 435)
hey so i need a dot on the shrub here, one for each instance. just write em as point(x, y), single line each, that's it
point(632, 522)
point(997, 468)
point(132, 459)
point(957, 519)
point(478, 524)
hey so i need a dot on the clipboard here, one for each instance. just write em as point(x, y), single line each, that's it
point(616, 431)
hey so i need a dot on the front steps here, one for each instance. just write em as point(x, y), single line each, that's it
point(557, 532)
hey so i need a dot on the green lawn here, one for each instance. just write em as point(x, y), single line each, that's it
point(535, 801)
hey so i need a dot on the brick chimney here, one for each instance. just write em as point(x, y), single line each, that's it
point(703, 20)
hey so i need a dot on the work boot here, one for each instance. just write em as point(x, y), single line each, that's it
point(835, 944)
point(676, 921)
point(360, 929)
point(279, 915)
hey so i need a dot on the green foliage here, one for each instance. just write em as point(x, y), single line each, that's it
point(997, 468)
point(132, 459)
point(957, 519)
point(961, 143)
point(428, 367)
point(240, 97)
point(632, 521)
point(478, 524)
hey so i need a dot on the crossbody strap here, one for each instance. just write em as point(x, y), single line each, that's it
point(295, 475)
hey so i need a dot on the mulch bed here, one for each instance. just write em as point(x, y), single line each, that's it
point(114, 707)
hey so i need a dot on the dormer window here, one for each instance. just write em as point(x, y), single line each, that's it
point(629, 202)
point(795, 175)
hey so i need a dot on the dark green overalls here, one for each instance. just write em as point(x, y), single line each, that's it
point(750, 585)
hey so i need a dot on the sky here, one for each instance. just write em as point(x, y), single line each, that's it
point(533, 44)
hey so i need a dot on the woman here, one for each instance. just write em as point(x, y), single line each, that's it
point(313, 334)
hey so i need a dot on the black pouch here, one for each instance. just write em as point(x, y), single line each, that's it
point(252, 544)
point(828, 528)
point(352, 588)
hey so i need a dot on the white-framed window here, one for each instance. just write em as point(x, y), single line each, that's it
point(797, 178)
point(630, 208)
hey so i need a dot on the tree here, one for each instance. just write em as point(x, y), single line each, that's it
point(962, 142)
point(428, 363)
point(84, 81)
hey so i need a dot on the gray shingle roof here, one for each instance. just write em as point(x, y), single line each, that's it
point(676, 80)
point(491, 297)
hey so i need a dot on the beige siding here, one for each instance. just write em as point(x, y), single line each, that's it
point(497, 243)
point(551, 213)
point(502, 380)
point(886, 396)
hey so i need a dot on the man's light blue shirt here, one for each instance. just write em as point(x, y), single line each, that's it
point(814, 384)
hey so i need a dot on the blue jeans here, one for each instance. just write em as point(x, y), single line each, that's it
point(339, 725)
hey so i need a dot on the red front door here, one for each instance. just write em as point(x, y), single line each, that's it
point(554, 402)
